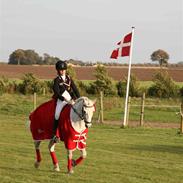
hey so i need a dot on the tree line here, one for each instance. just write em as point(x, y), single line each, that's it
point(30, 57)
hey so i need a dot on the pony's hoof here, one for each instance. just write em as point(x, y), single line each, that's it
point(56, 168)
point(73, 163)
point(70, 172)
point(36, 164)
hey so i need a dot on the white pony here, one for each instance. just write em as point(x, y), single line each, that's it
point(72, 129)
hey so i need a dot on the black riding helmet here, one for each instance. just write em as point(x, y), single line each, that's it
point(61, 65)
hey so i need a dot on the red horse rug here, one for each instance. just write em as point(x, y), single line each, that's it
point(42, 126)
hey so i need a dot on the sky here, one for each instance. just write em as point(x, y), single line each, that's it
point(89, 30)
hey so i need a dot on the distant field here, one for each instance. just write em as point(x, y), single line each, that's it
point(87, 73)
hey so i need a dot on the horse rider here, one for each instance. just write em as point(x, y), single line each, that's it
point(65, 91)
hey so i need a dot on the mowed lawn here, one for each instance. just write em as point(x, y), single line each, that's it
point(131, 155)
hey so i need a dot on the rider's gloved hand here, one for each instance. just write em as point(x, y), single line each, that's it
point(72, 102)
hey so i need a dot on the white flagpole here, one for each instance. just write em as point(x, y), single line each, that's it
point(128, 80)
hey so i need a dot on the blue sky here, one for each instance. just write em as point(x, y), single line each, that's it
point(88, 30)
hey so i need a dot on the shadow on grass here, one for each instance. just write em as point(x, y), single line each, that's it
point(23, 169)
point(158, 148)
point(28, 170)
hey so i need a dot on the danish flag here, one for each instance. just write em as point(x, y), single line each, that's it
point(124, 47)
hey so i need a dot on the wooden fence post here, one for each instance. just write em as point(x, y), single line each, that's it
point(142, 110)
point(101, 107)
point(128, 110)
point(34, 100)
point(181, 113)
point(44, 91)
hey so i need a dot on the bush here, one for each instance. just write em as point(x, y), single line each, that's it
point(181, 91)
point(71, 72)
point(48, 86)
point(2, 88)
point(7, 86)
point(134, 86)
point(31, 84)
point(103, 82)
point(88, 88)
point(83, 88)
point(164, 86)
point(134, 90)
point(121, 88)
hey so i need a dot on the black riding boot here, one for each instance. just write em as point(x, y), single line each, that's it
point(55, 139)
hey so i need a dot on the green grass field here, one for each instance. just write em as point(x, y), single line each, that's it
point(130, 155)
point(156, 110)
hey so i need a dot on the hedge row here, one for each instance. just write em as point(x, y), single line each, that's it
point(163, 86)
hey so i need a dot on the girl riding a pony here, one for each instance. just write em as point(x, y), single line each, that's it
point(65, 91)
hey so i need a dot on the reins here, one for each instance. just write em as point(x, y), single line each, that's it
point(82, 117)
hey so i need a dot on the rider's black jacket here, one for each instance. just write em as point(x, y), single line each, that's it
point(60, 86)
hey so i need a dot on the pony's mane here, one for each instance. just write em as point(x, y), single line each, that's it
point(81, 99)
point(85, 100)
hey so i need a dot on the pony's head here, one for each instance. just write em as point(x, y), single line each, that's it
point(87, 108)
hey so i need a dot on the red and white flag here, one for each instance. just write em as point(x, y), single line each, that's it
point(124, 47)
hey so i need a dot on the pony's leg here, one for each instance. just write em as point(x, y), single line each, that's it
point(80, 159)
point(69, 165)
point(51, 148)
point(38, 154)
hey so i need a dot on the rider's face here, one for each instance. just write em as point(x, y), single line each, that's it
point(62, 72)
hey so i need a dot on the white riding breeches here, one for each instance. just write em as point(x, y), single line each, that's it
point(59, 106)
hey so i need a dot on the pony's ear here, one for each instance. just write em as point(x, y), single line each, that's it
point(94, 104)
point(94, 101)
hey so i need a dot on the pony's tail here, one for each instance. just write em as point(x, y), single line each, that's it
point(27, 124)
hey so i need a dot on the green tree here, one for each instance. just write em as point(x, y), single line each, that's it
point(7, 86)
point(31, 57)
point(134, 89)
point(24, 57)
point(164, 86)
point(134, 86)
point(161, 56)
point(49, 60)
point(31, 84)
point(103, 82)
point(71, 72)
point(17, 57)
point(121, 88)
